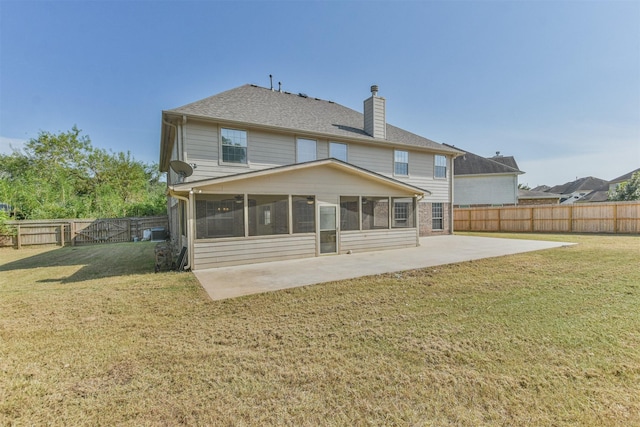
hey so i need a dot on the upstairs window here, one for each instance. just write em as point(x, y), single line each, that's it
point(401, 162)
point(440, 166)
point(234, 146)
point(338, 151)
point(305, 150)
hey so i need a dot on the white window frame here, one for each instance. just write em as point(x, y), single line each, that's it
point(437, 160)
point(434, 217)
point(396, 162)
point(300, 150)
point(346, 150)
point(402, 210)
point(246, 148)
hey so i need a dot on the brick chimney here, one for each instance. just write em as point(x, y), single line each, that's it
point(375, 121)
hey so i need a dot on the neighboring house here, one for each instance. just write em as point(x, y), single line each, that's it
point(615, 183)
point(532, 197)
point(574, 191)
point(278, 175)
point(481, 181)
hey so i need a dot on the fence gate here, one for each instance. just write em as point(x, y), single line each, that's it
point(103, 231)
point(80, 231)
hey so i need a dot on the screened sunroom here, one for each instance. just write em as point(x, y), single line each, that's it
point(313, 209)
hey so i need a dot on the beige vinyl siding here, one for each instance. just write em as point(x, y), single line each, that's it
point(201, 141)
point(264, 150)
point(172, 176)
point(374, 117)
point(421, 174)
point(323, 148)
point(377, 240)
point(225, 252)
point(269, 149)
point(373, 158)
point(328, 184)
point(485, 190)
point(421, 168)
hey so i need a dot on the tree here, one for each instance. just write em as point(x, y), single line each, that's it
point(628, 190)
point(63, 176)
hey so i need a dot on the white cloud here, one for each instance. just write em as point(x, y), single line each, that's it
point(9, 145)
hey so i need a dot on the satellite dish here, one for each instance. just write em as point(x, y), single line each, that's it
point(181, 168)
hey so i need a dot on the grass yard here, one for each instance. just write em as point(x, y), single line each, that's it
point(91, 336)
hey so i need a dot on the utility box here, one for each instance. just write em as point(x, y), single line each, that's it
point(158, 234)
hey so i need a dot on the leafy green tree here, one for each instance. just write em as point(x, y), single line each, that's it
point(63, 176)
point(629, 190)
point(5, 229)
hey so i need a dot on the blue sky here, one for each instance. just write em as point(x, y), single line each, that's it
point(555, 84)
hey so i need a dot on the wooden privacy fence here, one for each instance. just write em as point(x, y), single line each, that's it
point(617, 218)
point(81, 231)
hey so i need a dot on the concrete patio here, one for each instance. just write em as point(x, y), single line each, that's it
point(229, 282)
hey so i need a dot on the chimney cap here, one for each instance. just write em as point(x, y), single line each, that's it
point(374, 90)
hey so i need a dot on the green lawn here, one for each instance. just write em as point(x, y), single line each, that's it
point(91, 336)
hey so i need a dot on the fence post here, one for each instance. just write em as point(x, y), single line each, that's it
point(18, 242)
point(571, 218)
point(531, 220)
point(615, 218)
point(499, 220)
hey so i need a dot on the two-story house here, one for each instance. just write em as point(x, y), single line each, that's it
point(481, 181)
point(275, 175)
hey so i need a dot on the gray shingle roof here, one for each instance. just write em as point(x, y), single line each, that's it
point(587, 184)
point(595, 196)
point(625, 177)
point(532, 194)
point(506, 160)
point(472, 164)
point(263, 107)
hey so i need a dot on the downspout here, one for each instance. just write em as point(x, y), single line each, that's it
point(416, 212)
point(179, 136)
point(174, 126)
point(184, 122)
point(451, 195)
point(187, 200)
point(167, 123)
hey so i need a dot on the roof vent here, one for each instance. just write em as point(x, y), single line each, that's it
point(303, 95)
point(374, 90)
